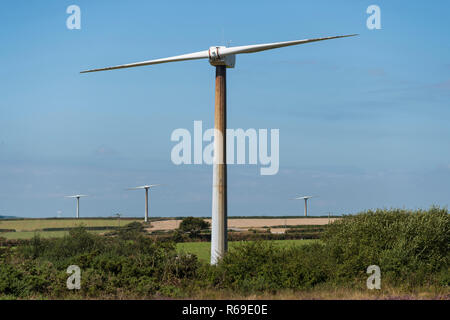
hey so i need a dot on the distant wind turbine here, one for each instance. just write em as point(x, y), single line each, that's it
point(146, 196)
point(306, 202)
point(220, 57)
point(118, 215)
point(78, 196)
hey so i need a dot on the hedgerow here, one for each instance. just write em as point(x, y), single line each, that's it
point(410, 247)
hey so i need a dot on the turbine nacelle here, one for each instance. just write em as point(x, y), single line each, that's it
point(144, 187)
point(216, 59)
point(303, 198)
point(76, 196)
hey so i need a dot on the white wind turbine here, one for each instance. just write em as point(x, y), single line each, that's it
point(77, 196)
point(306, 202)
point(220, 57)
point(146, 187)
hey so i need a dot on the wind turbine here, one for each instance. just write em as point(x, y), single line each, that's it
point(118, 215)
point(306, 202)
point(78, 196)
point(146, 196)
point(221, 57)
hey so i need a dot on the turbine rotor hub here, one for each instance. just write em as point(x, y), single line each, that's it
point(216, 59)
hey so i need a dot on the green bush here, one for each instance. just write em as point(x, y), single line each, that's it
point(178, 236)
point(262, 266)
point(108, 265)
point(25, 280)
point(131, 231)
point(409, 247)
point(193, 226)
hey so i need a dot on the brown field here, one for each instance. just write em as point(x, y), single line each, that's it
point(246, 224)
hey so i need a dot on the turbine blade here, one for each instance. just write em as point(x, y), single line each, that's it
point(189, 56)
point(268, 46)
point(304, 197)
point(137, 188)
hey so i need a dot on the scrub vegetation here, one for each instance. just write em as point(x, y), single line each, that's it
point(410, 247)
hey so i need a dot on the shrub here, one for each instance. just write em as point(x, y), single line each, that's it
point(262, 266)
point(108, 265)
point(178, 236)
point(193, 226)
point(409, 247)
point(131, 230)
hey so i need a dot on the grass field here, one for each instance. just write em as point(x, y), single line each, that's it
point(203, 249)
point(42, 234)
point(26, 228)
point(37, 224)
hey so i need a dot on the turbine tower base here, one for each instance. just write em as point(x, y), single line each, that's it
point(219, 196)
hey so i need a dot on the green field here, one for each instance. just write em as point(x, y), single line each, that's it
point(38, 224)
point(203, 249)
point(42, 234)
point(26, 228)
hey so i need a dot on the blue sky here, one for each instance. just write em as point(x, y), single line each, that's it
point(364, 122)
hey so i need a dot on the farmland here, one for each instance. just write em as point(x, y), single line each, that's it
point(25, 235)
point(39, 224)
point(26, 228)
point(246, 223)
